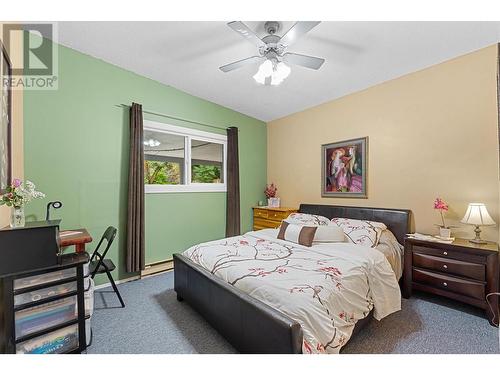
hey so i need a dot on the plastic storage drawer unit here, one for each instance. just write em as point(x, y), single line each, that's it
point(45, 316)
point(61, 341)
point(45, 278)
point(41, 294)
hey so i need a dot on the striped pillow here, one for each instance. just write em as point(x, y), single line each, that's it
point(297, 233)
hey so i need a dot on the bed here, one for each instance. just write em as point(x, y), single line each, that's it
point(280, 325)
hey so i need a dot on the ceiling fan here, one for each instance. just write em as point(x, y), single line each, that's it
point(272, 51)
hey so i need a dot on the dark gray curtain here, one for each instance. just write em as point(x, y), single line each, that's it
point(135, 221)
point(233, 184)
point(498, 95)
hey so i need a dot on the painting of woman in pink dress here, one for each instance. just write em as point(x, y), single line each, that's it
point(344, 168)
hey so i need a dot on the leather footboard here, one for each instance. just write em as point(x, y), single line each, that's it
point(248, 324)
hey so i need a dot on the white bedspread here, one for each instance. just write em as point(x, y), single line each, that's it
point(327, 288)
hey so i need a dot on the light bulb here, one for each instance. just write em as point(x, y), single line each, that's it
point(283, 70)
point(265, 70)
point(259, 77)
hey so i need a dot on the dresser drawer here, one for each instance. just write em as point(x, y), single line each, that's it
point(451, 266)
point(453, 284)
point(277, 215)
point(258, 212)
point(449, 254)
point(265, 223)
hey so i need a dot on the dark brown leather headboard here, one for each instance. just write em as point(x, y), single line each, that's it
point(396, 220)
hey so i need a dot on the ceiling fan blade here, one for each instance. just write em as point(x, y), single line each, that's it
point(246, 33)
point(238, 64)
point(303, 60)
point(296, 31)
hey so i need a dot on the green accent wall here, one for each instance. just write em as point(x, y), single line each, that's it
point(76, 150)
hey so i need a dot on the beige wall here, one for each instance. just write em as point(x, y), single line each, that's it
point(17, 131)
point(431, 133)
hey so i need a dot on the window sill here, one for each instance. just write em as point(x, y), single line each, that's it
point(192, 188)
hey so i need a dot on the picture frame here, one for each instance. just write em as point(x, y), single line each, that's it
point(344, 169)
point(5, 121)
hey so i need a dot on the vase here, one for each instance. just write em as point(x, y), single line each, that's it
point(273, 202)
point(444, 232)
point(17, 219)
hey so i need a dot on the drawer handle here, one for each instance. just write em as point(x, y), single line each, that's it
point(445, 253)
point(445, 266)
point(445, 284)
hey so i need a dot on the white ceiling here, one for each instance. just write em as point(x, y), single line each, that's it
point(186, 55)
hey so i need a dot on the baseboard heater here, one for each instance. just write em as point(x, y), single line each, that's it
point(157, 267)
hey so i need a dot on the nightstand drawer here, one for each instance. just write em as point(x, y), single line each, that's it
point(257, 212)
point(449, 254)
point(453, 284)
point(452, 266)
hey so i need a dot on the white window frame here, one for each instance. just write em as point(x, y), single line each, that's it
point(189, 134)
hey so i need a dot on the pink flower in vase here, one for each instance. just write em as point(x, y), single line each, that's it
point(441, 205)
point(270, 191)
point(16, 182)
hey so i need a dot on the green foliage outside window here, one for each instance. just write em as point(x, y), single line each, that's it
point(163, 173)
point(206, 174)
point(168, 173)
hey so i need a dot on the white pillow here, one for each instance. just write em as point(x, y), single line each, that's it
point(307, 219)
point(361, 232)
point(329, 233)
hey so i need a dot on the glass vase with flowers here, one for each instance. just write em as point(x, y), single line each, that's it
point(16, 196)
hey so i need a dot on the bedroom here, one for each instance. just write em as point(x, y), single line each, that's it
point(279, 191)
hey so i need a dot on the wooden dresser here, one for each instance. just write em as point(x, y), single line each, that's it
point(463, 271)
point(270, 217)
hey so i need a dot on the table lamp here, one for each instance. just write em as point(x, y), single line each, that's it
point(477, 215)
point(56, 206)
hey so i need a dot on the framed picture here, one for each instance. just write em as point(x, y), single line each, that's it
point(344, 169)
point(5, 121)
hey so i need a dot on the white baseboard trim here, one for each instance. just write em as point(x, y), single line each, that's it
point(133, 278)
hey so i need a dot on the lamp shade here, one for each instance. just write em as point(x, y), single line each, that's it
point(477, 214)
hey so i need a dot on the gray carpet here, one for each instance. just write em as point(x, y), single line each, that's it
point(154, 322)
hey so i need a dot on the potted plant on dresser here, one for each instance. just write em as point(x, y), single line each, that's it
point(272, 200)
point(442, 206)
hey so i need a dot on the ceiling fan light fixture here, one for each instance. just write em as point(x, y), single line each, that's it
point(277, 71)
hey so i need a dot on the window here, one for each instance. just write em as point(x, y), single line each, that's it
point(179, 159)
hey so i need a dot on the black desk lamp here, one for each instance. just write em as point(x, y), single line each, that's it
point(55, 204)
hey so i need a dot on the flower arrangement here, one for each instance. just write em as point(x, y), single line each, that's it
point(19, 193)
point(270, 191)
point(441, 205)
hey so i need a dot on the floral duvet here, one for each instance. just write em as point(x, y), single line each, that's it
point(327, 288)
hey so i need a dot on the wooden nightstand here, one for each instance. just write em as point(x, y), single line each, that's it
point(463, 271)
point(270, 217)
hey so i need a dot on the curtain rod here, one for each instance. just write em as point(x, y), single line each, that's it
point(173, 117)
